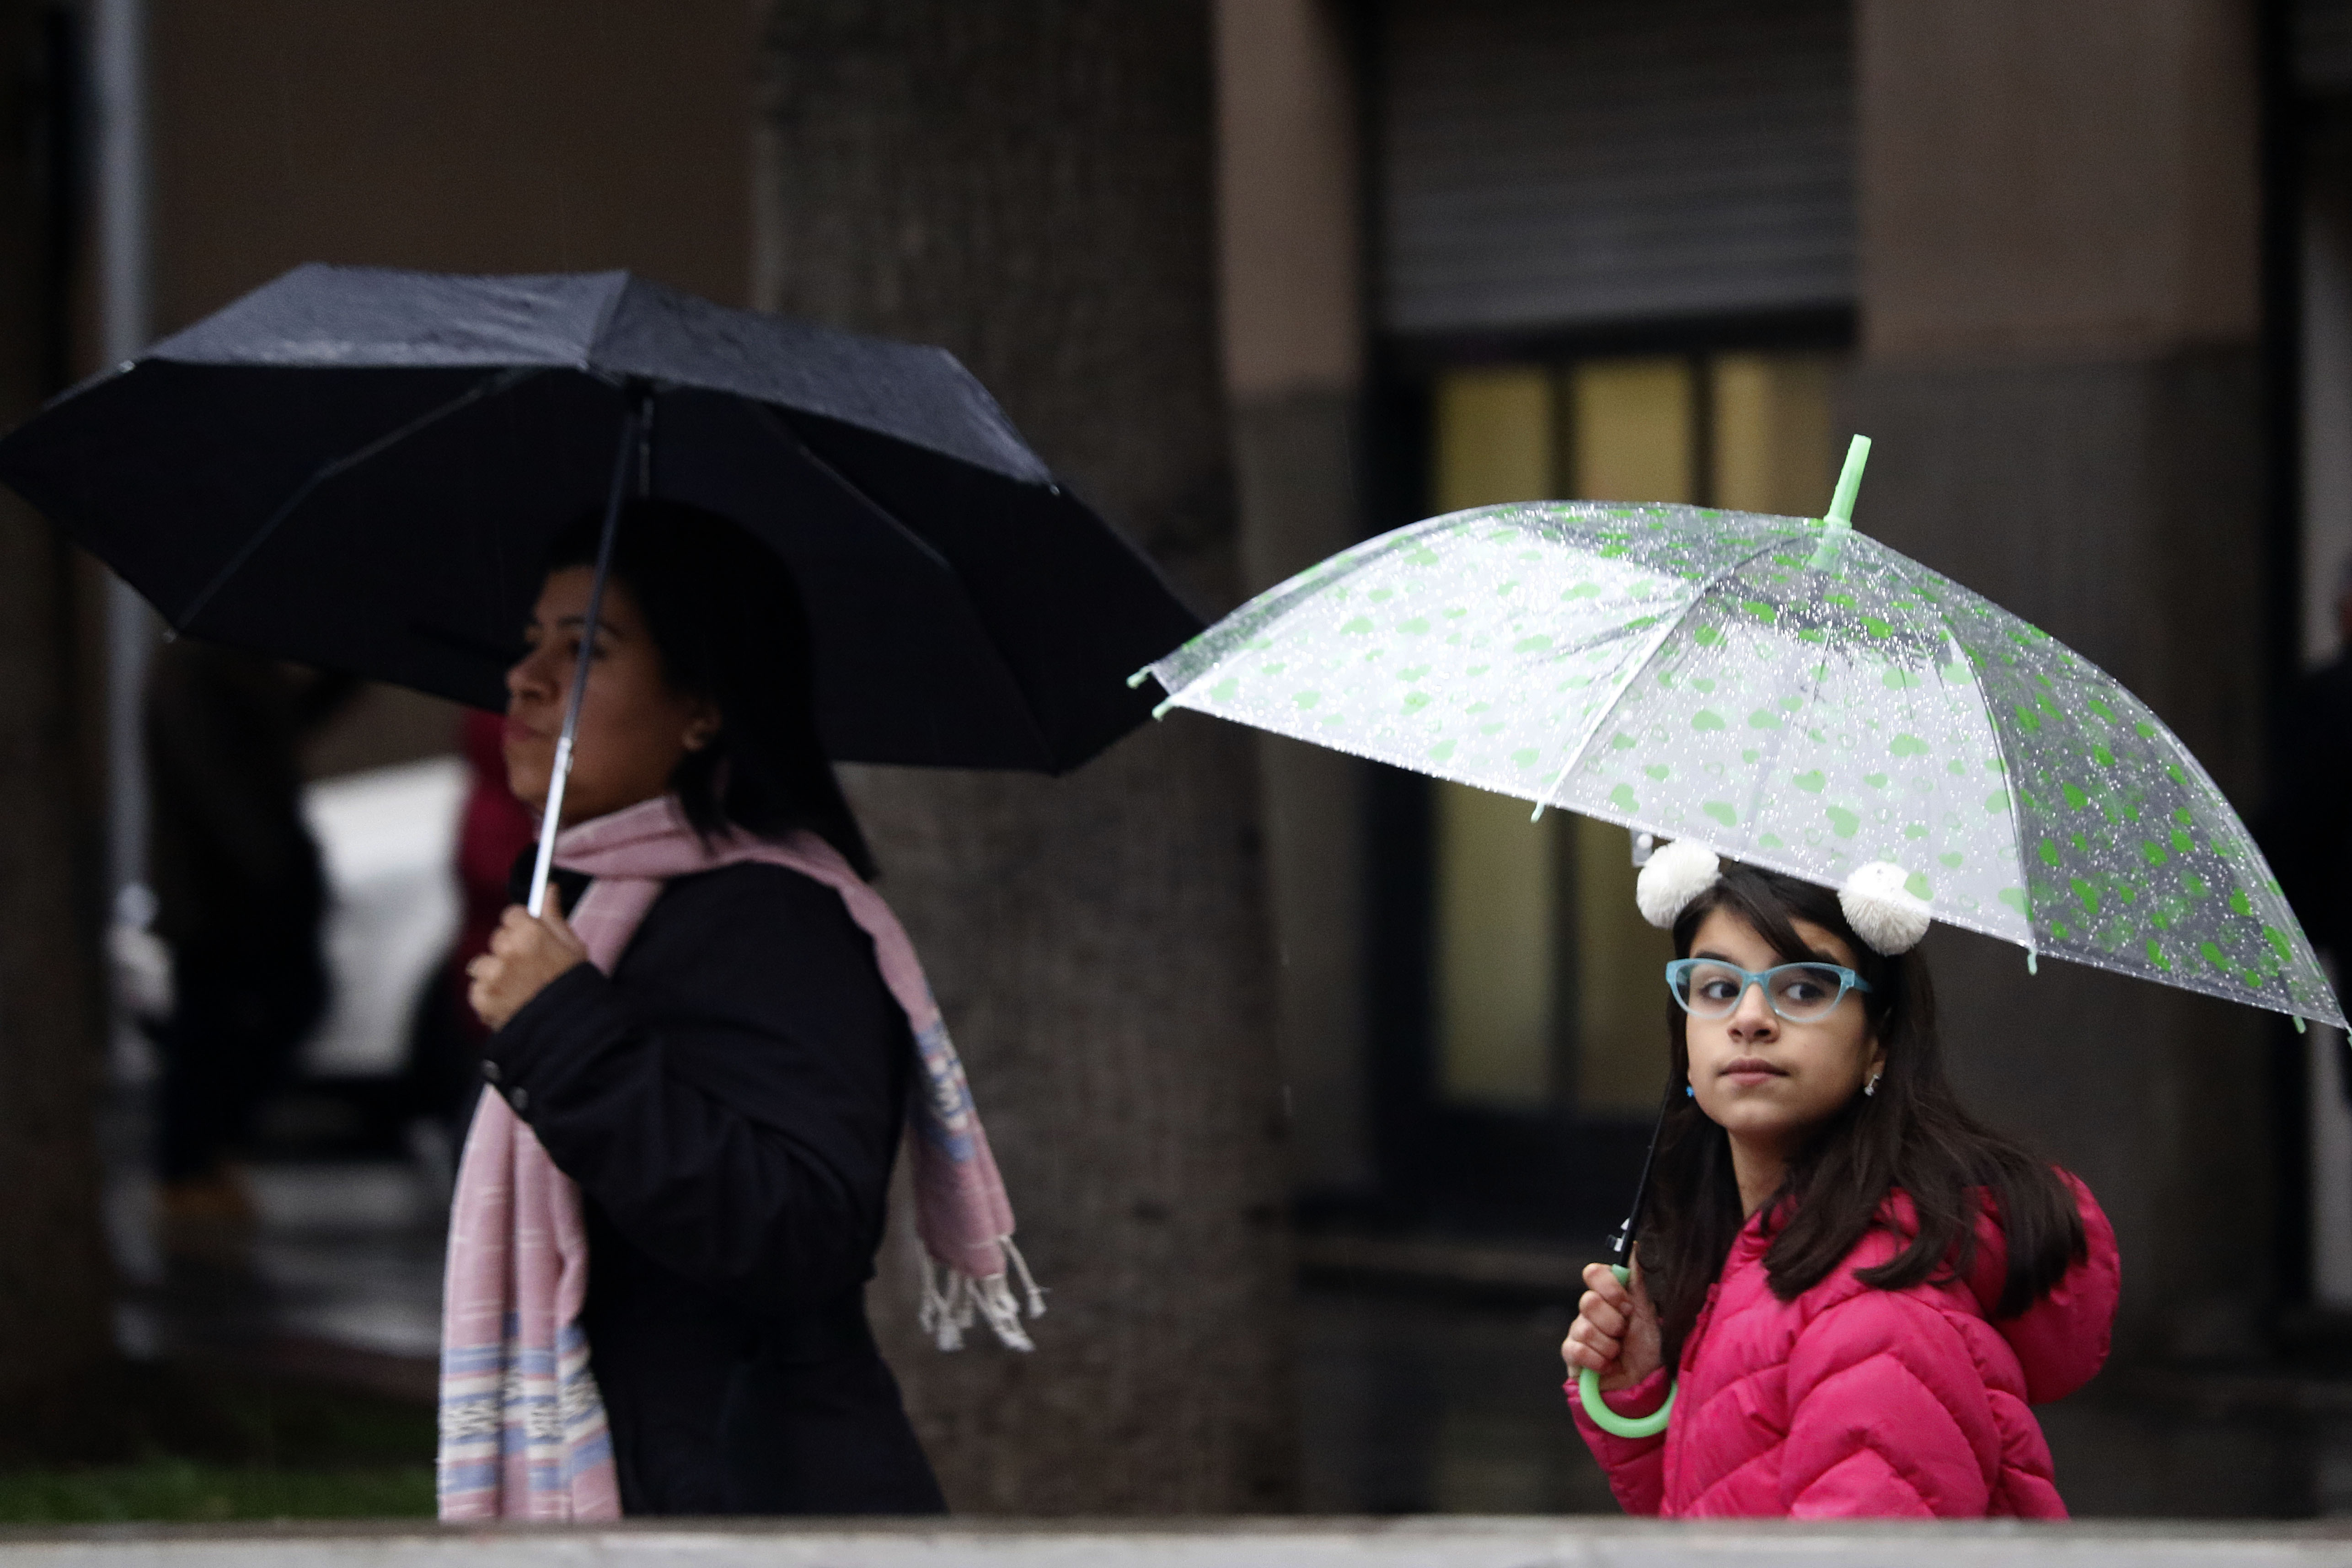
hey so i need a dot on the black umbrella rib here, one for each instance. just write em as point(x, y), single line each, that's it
point(504, 381)
point(931, 552)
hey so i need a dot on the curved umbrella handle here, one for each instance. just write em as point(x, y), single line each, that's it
point(1588, 1388)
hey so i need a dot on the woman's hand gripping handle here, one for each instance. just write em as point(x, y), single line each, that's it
point(525, 956)
point(1614, 1345)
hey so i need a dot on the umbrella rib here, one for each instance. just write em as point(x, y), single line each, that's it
point(474, 394)
point(1776, 741)
point(2205, 779)
point(1665, 630)
point(2294, 1005)
point(2009, 772)
point(851, 485)
point(2008, 768)
point(931, 552)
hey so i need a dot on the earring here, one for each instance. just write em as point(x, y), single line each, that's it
point(1872, 1087)
point(1689, 1092)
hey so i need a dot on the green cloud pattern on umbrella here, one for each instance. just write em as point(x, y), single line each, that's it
point(1693, 672)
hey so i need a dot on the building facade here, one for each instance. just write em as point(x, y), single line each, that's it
point(2076, 270)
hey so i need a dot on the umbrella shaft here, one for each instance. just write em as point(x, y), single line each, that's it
point(638, 419)
point(552, 817)
point(1621, 1246)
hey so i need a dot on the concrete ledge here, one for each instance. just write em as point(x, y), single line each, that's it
point(1242, 1543)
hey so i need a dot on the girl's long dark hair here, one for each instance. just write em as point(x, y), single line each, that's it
point(1912, 1134)
point(727, 619)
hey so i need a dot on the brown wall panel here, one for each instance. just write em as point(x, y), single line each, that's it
point(514, 136)
point(525, 135)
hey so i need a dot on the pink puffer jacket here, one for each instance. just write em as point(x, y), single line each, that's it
point(1851, 1402)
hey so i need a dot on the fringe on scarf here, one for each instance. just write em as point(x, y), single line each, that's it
point(953, 1299)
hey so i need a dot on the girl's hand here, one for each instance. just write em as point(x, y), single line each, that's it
point(525, 956)
point(1616, 1329)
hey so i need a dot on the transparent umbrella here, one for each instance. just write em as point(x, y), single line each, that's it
point(1789, 692)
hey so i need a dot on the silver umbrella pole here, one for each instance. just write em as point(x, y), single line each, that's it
point(636, 427)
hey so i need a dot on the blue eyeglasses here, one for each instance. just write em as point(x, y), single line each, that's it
point(1801, 993)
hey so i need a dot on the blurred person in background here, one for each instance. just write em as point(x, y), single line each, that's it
point(494, 831)
point(240, 901)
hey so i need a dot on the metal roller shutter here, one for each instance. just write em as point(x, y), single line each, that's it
point(1564, 163)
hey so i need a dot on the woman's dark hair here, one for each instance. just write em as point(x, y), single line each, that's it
point(727, 619)
point(1912, 1134)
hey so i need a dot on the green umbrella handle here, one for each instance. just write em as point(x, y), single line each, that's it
point(1588, 1388)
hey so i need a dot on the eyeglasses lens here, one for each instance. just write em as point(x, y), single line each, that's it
point(1801, 993)
point(1712, 991)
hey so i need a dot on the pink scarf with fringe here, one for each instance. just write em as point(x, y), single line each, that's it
point(523, 1434)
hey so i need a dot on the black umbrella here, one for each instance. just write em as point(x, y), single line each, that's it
point(360, 469)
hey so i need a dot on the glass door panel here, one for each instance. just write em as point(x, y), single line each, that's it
point(1497, 934)
point(1495, 430)
point(1631, 437)
point(1621, 989)
point(1634, 435)
point(1776, 447)
point(1496, 889)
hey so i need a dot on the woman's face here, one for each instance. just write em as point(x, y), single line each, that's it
point(1767, 1082)
point(634, 726)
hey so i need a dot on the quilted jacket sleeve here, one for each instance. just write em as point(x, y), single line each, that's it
point(1636, 1466)
point(1887, 1416)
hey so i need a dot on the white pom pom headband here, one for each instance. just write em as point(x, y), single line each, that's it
point(1884, 912)
point(1886, 915)
point(1675, 877)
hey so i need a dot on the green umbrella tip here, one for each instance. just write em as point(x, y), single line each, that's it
point(1857, 457)
point(1840, 517)
point(1137, 678)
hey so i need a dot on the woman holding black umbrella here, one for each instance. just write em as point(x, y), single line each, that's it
point(727, 1098)
point(362, 469)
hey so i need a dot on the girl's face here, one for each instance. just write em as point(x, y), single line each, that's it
point(634, 726)
point(1767, 1082)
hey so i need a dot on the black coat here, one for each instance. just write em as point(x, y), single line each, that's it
point(730, 1103)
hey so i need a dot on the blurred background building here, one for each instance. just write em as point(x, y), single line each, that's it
point(2083, 271)
point(2071, 266)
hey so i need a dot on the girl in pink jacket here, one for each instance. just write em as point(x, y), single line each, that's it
point(1860, 1289)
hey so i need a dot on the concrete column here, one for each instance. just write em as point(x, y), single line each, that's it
point(1290, 245)
point(2060, 307)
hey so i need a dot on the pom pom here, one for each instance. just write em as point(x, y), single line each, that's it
point(1675, 874)
point(1888, 916)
